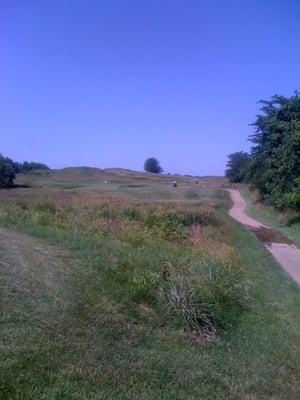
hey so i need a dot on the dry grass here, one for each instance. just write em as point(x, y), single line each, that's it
point(29, 198)
point(123, 215)
point(125, 314)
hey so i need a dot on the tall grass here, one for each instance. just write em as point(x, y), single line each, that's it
point(124, 313)
point(147, 256)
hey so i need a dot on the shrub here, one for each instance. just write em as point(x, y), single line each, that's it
point(293, 198)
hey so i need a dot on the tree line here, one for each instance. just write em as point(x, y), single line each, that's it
point(9, 169)
point(273, 164)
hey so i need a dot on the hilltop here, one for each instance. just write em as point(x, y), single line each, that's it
point(137, 184)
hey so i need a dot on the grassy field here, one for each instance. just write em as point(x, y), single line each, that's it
point(136, 290)
point(122, 182)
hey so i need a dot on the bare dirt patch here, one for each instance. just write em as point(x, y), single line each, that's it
point(269, 235)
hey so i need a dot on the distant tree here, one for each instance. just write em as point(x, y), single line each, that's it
point(152, 165)
point(237, 166)
point(9, 169)
point(18, 167)
point(32, 166)
point(7, 172)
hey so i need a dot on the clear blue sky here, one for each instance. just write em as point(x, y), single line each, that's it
point(108, 83)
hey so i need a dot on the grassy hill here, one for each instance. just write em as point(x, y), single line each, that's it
point(135, 184)
point(133, 289)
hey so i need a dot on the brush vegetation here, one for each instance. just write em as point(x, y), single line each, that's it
point(162, 254)
point(122, 298)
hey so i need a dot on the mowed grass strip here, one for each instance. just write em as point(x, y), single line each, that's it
point(113, 315)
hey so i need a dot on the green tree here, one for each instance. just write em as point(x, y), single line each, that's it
point(7, 172)
point(237, 166)
point(275, 156)
point(152, 165)
point(32, 166)
point(293, 197)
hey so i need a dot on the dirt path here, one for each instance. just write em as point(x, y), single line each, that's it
point(284, 252)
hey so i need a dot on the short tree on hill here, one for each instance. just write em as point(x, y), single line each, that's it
point(152, 165)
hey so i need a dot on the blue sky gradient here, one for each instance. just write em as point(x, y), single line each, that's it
point(108, 83)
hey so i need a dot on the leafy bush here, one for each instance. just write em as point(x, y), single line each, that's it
point(293, 198)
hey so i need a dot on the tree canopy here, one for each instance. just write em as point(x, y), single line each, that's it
point(274, 162)
point(9, 169)
point(236, 166)
point(32, 166)
point(7, 172)
point(152, 165)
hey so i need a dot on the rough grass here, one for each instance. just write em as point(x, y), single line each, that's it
point(138, 185)
point(269, 216)
point(107, 305)
point(146, 240)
